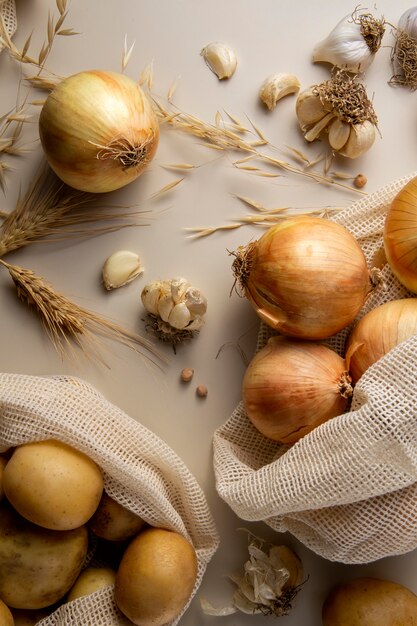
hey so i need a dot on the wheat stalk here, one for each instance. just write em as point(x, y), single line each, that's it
point(68, 324)
point(50, 207)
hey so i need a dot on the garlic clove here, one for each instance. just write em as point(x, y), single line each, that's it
point(196, 323)
point(278, 86)
point(195, 301)
point(121, 268)
point(165, 303)
point(315, 131)
point(220, 58)
point(339, 132)
point(361, 138)
point(150, 297)
point(179, 316)
point(179, 286)
point(309, 108)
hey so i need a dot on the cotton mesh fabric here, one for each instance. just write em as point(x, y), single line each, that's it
point(140, 470)
point(348, 489)
point(8, 15)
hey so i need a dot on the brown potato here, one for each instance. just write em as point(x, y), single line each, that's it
point(6, 617)
point(114, 522)
point(37, 566)
point(3, 462)
point(370, 602)
point(52, 484)
point(155, 577)
point(90, 580)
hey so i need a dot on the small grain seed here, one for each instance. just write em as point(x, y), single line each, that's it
point(360, 181)
point(186, 374)
point(202, 391)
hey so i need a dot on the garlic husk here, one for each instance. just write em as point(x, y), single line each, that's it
point(278, 86)
point(271, 579)
point(352, 44)
point(341, 108)
point(177, 308)
point(404, 52)
point(121, 268)
point(220, 58)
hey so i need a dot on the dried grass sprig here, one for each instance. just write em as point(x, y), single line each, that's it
point(51, 208)
point(69, 325)
point(221, 137)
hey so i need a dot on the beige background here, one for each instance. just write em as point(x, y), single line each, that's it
point(268, 36)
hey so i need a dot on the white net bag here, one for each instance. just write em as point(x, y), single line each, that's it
point(348, 489)
point(8, 17)
point(140, 471)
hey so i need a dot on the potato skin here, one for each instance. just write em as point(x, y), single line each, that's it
point(155, 577)
point(6, 617)
point(52, 484)
point(90, 580)
point(370, 602)
point(37, 566)
point(114, 522)
point(3, 463)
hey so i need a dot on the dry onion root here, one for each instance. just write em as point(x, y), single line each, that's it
point(341, 108)
point(400, 235)
point(306, 277)
point(291, 387)
point(378, 332)
point(98, 130)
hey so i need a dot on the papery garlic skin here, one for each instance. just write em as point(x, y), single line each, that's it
point(176, 302)
point(278, 86)
point(220, 58)
point(404, 52)
point(345, 46)
point(121, 268)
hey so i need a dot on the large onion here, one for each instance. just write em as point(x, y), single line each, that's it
point(400, 235)
point(306, 277)
point(378, 332)
point(98, 130)
point(292, 386)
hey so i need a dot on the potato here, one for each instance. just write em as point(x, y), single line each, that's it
point(155, 577)
point(370, 602)
point(52, 484)
point(90, 580)
point(3, 462)
point(37, 565)
point(6, 617)
point(114, 522)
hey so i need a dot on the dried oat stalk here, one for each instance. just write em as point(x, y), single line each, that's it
point(347, 97)
point(49, 207)
point(68, 324)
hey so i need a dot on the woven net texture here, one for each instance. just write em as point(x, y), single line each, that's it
point(140, 470)
point(8, 15)
point(348, 489)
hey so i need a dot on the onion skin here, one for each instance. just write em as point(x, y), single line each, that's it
point(305, 277)
point(89, 116)
point(378, 332)
point(400, 235)
point(290, 387)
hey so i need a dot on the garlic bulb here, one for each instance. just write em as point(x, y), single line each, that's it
point(404, 53)
point(352, 44)
point(220, 58)
point(271, 579)
point(176, 308)
point(341, 108)
point(121, 268)
point(278, 86)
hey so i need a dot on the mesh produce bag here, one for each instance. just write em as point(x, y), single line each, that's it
point(348, 489)
point(140, 471)
point(8, 16)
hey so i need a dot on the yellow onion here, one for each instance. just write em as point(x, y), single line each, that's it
point(400, 235)
point(292, 386)
point(378, 332)
point(98, 130)
point(305, 277)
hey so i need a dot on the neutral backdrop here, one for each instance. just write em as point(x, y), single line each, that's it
point(268, 36)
